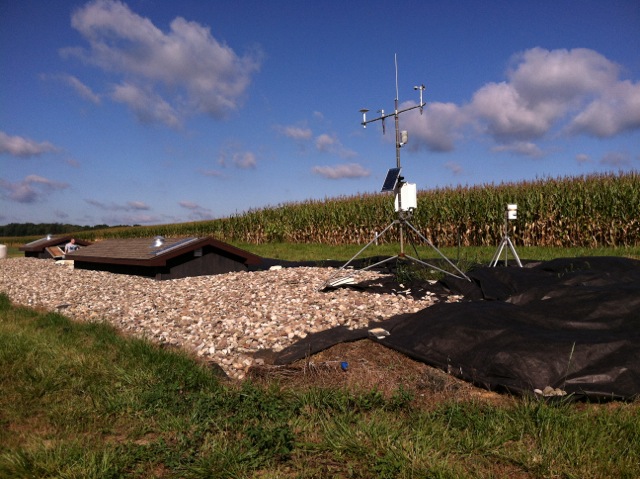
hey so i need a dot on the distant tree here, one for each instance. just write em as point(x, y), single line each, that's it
point(32, 229)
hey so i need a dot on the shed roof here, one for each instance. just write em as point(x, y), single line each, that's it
point(148, 252)
point(42, 243)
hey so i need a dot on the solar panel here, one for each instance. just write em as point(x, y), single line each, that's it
point(391, 181)
point(177, 244)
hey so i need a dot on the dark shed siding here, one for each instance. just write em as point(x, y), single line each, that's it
point(211, 262)
point(183, 258)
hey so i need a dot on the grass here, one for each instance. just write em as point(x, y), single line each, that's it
point(79, 400)
point(466, 254)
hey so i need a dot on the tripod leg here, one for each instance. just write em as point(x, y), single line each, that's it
point(496, 257)
point(375, 238)
point(513, 251)
point(438, 251)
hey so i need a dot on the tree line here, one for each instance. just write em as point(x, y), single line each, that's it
point(33, 229)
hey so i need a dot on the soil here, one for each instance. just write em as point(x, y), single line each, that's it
point(371, 366)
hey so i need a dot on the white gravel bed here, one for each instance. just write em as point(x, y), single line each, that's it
point(222, 318)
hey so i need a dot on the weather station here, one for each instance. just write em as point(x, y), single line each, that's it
point(405, 199)
point(510, 214)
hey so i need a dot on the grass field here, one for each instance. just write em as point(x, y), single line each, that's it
point(81, 401)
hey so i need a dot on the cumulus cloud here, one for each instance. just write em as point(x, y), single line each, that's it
point(32, 189)
point(524, 148)
point(235, 155)
point(138, 205)
point(454, 167)
point(326, 143)
point(24, 147)
point(128, 206)
point(196, 211)
point(583, 158)
point(132, 219)
point(543, 87)
point(295, 132)
point(615, 111)
point(148, 106)
point(244, 160)
point(186, 61)
point(437, 128)
point(81, 89)
point(616, 159)
point(350, 170)
point(545, 92)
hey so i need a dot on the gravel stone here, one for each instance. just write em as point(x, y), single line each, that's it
point(224, 318)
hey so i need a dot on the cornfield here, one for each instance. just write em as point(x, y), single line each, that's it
point(587, 211)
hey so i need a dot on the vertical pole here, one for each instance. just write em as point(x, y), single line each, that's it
point(397, 123)
point(506, 235)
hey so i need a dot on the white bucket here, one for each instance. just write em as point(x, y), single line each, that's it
point(3, 251)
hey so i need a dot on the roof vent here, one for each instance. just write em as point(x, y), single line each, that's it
point(158, 241)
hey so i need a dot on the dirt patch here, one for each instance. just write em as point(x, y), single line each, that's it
point(366, 365)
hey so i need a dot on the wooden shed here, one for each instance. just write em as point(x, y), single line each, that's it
point(50, 247)
point(164, 258)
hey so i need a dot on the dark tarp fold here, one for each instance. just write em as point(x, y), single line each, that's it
point(571, 324)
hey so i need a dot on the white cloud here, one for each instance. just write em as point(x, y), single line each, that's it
point(128, 206)
point(615, 111)
point(454, 167)
point(541, 76)
point(351, 170)
point(32, 189)
point(295, 132)
point(234, 153)
point(186, 61)
point(507, 114)
point(583, 158)
point(437, 128)
point(326, 143)
point(138, 205)
point(81, 89)
point(524, 148)
point(147, 106)
point(546, 92)
point(244, 160)
point(546, 88)
point(136, 219)
point(196, 211)
point(616, 159)
point(543, 86)
point(189, 205)
point(23, 147)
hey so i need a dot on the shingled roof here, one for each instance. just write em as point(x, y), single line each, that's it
point(39, 247)
point(155, 252)
point(164, 258)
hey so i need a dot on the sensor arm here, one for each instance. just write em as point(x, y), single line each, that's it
point(364, 111)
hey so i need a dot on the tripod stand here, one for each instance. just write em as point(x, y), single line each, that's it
point(506, 241)
point(394, 182)
point(402, 223)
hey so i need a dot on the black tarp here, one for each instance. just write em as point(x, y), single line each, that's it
point(571, 324)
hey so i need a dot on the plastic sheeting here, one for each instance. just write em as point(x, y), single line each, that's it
point(570, 324)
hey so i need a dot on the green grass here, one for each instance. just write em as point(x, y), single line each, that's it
point(81, 401)
point(466, 254)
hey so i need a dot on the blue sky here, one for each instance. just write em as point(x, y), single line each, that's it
point(158, 111)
